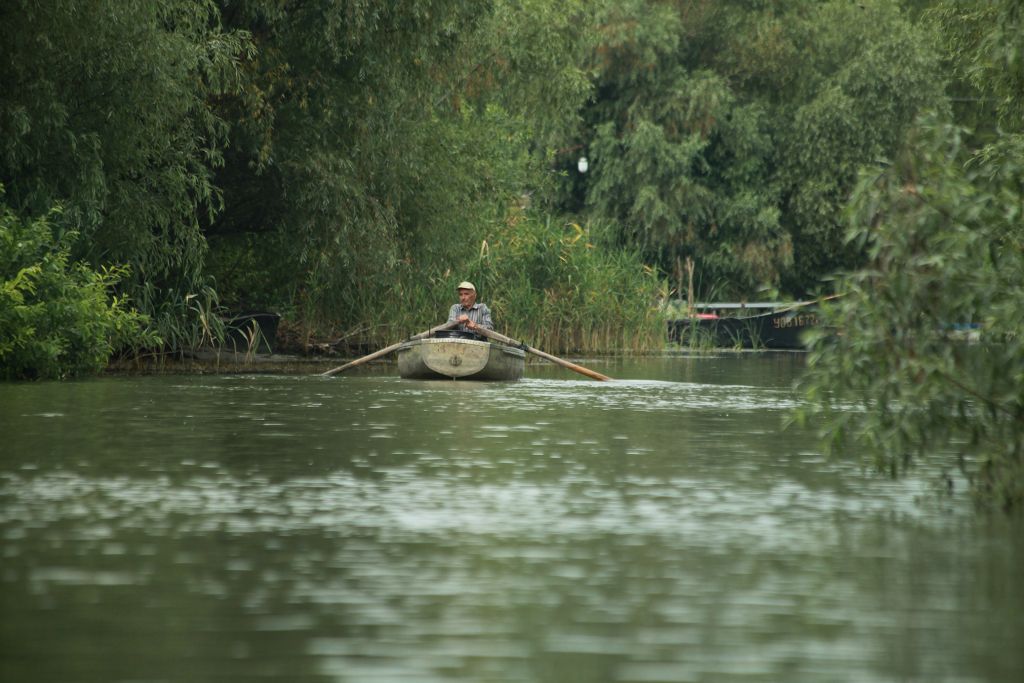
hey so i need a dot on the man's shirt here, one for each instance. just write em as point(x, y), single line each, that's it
point(478, 313)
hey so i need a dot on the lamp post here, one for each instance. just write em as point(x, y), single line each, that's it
point(583, 164)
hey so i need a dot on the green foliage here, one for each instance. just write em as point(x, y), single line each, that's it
point(106, 111)
point(548, 283)
point(943, 227)
point(57, 317)
point(375, 143)
point(331, 154)
point(985, 45)
point(944, 233)
point(732, 133)
point(694, 337)
point(880, 74)
point(322, 158)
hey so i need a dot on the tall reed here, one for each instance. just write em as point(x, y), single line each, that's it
point(546, 282)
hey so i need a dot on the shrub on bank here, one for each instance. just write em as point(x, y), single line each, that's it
point(56, 317)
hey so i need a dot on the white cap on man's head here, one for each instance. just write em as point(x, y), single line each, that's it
point(466, 285)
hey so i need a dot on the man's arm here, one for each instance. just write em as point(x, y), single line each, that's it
point(485, 317)
point(453, 313)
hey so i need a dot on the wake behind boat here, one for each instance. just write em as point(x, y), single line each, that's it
point(459, 355)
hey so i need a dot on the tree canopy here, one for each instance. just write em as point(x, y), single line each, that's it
point(318, 157)
point(732, 132)
point(107, 111)
point(943, 229)
point(310, 157)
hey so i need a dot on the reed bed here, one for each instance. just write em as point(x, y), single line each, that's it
point(545, 281)
point(552, 285)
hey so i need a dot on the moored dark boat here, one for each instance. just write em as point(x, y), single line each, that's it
point(460, 356)
point(782, 328)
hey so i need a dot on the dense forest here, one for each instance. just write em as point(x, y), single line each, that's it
point(345, 164)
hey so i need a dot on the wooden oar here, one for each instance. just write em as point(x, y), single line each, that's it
point(537, 352)
point(389, 349)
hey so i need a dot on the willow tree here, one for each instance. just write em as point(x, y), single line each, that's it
point(943, 227)
point(731, 132)
point(679, 162)
point(105, 111)
point(376, 143)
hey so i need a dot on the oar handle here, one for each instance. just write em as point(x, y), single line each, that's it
point(497, 336)
point(385, 351)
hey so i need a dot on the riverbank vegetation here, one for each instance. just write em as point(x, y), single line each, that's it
point(345, 164)
point(56, 319)
point(943, 230)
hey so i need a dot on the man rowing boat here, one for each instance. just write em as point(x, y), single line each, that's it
point(468, 312)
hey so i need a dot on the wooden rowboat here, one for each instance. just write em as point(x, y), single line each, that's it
point(456, 357)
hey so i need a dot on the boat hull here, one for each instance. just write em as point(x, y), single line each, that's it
point(463, 359)
point(776, 330)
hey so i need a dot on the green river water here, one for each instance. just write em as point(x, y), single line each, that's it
point(659, 528)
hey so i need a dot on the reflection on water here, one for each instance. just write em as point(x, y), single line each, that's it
point(365, 528)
